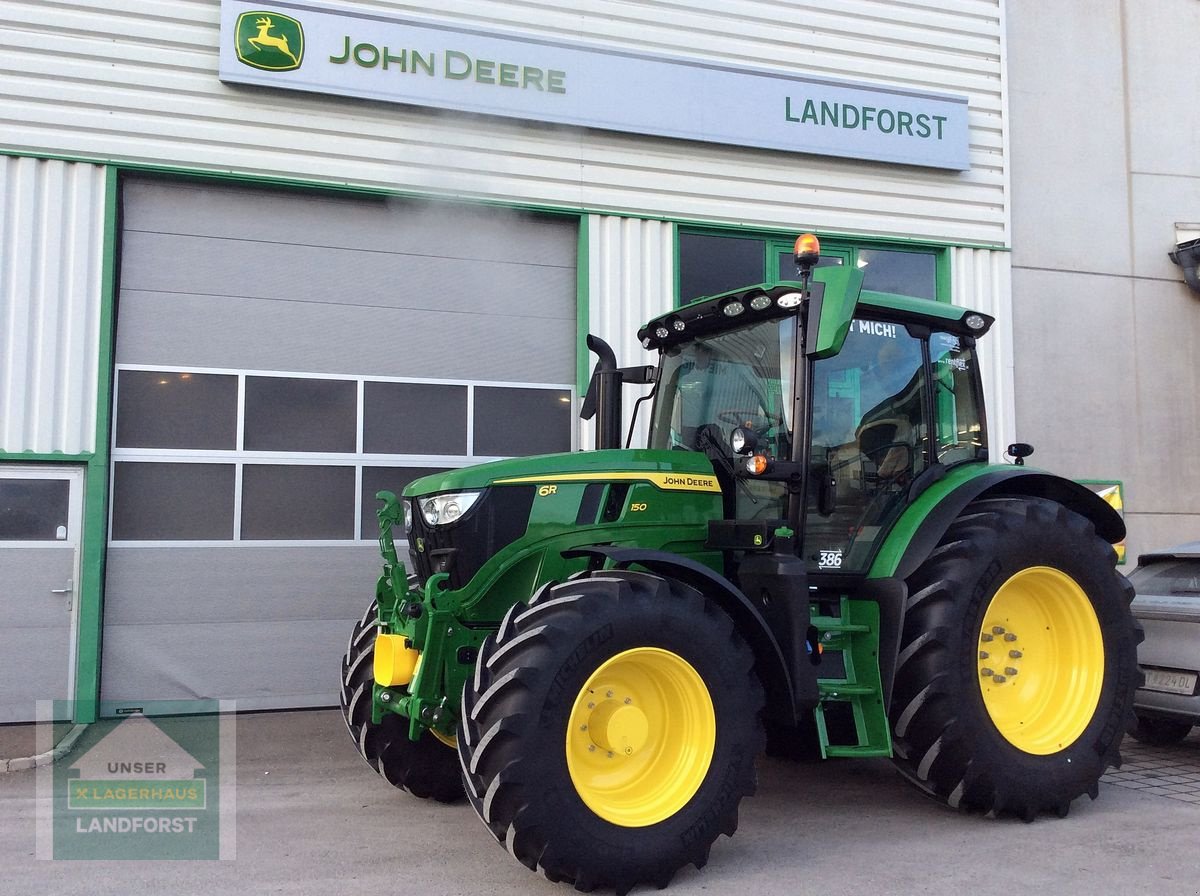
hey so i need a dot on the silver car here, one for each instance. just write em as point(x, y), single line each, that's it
point(1168, 605)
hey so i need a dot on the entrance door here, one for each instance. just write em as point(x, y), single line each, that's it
point(41, 519)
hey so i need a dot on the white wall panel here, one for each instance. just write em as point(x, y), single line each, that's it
point(102, 78)
point(631, 278)
point(981, 279)
point(51, 245)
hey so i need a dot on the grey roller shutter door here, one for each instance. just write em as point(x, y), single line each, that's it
point(234, 278)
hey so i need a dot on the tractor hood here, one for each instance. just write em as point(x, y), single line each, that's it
point(668, 470)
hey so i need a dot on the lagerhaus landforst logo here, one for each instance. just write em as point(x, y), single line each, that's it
point(269, 41)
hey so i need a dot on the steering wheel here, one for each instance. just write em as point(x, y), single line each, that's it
point(756, 420)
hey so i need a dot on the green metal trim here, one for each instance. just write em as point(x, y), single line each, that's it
point(95, 508)
point(678, 299)
point(943, 284)
point(697, 224)
point(583, 305)
point(52, 458)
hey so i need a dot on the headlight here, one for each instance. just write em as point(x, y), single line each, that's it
point(442, 509)
point(407, 518)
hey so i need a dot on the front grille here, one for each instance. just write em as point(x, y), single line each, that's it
point(499, 517)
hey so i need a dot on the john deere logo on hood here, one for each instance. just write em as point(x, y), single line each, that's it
point(270, 41)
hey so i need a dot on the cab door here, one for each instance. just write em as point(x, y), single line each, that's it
point(41, 519)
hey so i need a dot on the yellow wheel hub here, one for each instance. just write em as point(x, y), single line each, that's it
point(641, 737)
point(1041, 660)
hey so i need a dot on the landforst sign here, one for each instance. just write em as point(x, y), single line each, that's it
point(320, 48)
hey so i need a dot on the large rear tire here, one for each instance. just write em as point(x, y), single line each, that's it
point(1018, 662)
point(611, 729)
point(425, 768)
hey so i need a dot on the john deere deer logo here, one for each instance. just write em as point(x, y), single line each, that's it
point(269, 41)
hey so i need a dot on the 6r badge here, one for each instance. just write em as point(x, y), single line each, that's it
point(269, 41)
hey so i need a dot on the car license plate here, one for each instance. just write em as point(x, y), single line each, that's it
point(1170, 681)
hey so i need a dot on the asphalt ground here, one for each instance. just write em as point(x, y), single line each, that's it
point(312, 818)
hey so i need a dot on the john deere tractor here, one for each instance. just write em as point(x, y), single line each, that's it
point(812, 550)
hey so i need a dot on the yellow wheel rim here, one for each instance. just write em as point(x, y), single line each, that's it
point(641, 737)
point(448, 739)
point(1041, 660)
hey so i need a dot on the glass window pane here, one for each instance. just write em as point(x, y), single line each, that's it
point(514, 421)
point(33, 509)
point(172, 502)
point(869, 436)
point(713, 264)
point(157, 409)
point(959, 425)
point(297, 502)
point(294, 414)
point(414, 418)
point(905, 273)
point(392, 479)
point(786, 269)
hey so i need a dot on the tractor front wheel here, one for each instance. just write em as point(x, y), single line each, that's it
point(611, 729)
point(426, 768)
point(1018, 663)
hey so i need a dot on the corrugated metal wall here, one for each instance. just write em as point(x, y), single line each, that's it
point(51, 246)
point(982, 279)
point(631, 278)
point(140, 83)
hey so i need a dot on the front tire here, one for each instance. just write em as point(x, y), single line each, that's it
point(425, 768)
point(1018, 663)
point(611, 729)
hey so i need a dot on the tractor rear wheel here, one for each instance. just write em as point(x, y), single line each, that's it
point(611, 729)
point(1018, 662)
point(425, 768)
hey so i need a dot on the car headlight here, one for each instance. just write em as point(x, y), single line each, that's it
point(407, 518)
point(442, 509)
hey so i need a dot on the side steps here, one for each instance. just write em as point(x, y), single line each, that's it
point(854, 634)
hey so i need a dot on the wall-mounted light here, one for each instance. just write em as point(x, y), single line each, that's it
point(1186, 253)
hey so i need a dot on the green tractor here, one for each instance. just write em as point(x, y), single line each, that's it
point(812, 554)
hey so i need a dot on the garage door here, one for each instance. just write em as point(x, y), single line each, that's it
point(281, 356)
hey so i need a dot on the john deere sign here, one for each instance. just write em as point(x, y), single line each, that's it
point(424, 62)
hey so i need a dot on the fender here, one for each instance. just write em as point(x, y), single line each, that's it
point(996, 482)
point(750, 623)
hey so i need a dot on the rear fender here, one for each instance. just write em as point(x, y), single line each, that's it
point(768, 657)
point(996, 482)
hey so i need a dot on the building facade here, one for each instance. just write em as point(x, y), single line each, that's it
point(260, 260)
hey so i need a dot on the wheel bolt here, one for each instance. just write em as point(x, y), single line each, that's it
point(986, 673)
point(583, 727)
point(591, 706)
point(610, 755)
point(1015, 654)
point(591, 748)
point(628, 700)
point(983, 654)
point(999, 679)
point(1010, 637)
point(609, 695)
point(1009, 670)
point(997, 629)
point(985, 637)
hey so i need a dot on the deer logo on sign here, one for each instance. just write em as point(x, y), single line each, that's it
point(269, 41)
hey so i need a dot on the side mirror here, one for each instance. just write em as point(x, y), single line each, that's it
point(1018, 451)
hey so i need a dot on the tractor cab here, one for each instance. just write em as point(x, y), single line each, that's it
point(823, 409)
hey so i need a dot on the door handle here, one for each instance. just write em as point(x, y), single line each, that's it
point(66, 590)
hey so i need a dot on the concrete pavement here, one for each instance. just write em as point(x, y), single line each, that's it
point(312, 818)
